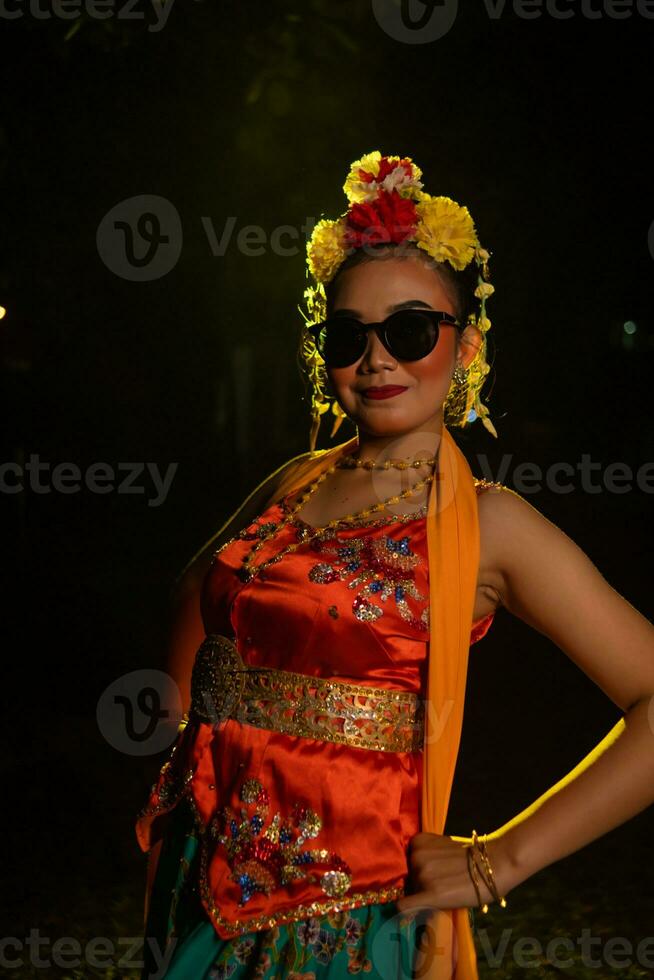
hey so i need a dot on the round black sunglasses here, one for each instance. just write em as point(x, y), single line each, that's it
point(408, 335)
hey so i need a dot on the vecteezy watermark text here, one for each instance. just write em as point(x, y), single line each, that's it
point(95, 9)
point(525, 477)
point(140, 238)
point(97, 478)
point(67, 952)
point(424, 21)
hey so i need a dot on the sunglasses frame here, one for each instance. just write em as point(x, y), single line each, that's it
point(436, 316)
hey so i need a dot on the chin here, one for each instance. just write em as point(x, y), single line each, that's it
point(384, 424)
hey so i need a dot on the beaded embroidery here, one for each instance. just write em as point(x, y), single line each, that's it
point(303, 528)
point(269, 920)
point(264, 860)
point(172, 783)
point(386, 566)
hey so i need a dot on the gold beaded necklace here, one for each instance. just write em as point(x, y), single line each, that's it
point(350, 462)
point(247, 571)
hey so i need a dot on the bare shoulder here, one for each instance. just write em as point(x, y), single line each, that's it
point(516, 540)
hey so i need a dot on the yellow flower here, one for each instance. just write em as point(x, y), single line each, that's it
point(355, 189)
point(484, 290)
point(446, 231)
point(484, 324)
point(326, 249)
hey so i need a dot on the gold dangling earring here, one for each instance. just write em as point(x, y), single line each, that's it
point(456, 400)
point(460, 375)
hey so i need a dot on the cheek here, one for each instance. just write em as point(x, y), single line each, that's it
point(342, 378)
point(434, 368)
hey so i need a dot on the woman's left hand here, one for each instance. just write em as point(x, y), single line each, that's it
point(439, 876)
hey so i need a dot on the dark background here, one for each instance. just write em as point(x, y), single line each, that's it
point(542, 128)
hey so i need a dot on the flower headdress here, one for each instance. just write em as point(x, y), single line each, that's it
point(387, 204)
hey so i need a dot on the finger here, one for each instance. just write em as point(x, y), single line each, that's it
point(411, 903)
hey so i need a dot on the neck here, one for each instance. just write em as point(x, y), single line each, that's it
point(421, 443)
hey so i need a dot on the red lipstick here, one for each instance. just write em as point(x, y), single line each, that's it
point(387, 391)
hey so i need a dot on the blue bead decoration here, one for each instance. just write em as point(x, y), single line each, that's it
point(383, 567)
point(269, 858)
point(248, 887)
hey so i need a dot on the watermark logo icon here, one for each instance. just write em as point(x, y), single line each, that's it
point(140, 239)
point(415, 21)
point(139, 713)
point(409, 941)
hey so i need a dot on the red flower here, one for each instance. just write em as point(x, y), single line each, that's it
point(389, 218)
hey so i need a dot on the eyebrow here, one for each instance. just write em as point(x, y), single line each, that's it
point(344, 311)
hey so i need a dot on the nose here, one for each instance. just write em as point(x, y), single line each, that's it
point(376, 356)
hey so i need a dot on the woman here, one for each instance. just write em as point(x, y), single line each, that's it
point(297, 827)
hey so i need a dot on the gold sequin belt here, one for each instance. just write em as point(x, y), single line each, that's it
point(223, 686)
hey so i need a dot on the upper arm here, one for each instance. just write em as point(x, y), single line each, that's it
point(552, 585)
point(186, 628)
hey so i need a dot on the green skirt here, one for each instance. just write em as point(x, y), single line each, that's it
point(182, 944)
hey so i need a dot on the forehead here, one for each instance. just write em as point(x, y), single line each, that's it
point(376, 285)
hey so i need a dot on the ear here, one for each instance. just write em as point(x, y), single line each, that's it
point(469, 342)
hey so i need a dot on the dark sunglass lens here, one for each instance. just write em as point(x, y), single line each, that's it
point(343, 342)
point(411, 334)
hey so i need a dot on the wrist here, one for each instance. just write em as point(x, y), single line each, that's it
point(508, 872)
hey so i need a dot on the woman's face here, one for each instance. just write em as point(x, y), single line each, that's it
point(371, 292)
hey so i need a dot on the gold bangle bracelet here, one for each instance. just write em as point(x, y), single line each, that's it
point(472, 871)
point(486, 871)
point(491, 885)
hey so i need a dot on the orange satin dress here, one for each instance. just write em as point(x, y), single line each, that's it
point(353, 607)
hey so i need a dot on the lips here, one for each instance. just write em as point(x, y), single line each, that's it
point(386, 391)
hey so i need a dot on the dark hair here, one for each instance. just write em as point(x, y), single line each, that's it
point(461, 284)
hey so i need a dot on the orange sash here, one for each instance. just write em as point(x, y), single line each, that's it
point(453, 552)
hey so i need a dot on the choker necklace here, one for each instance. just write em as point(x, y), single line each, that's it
point(266, 531)
point(351, 462)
